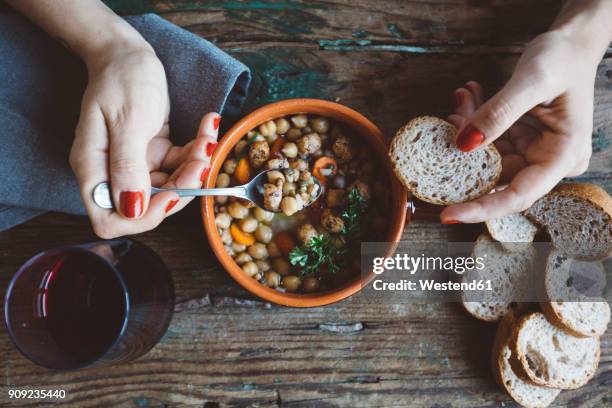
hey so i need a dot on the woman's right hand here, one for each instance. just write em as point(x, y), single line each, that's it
point(122, 137)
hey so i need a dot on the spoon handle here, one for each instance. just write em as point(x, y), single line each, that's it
point(238, 191)
point(102, 194)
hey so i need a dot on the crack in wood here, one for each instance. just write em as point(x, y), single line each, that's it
point(342, 328)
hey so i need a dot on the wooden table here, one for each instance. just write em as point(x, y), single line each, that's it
point(390, 60)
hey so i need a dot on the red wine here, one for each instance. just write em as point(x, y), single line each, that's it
point(83, 305)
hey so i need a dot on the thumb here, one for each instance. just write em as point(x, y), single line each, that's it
point(500, 112)
point(129, 172)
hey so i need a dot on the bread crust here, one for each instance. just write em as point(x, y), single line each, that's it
point(556, 320)
point(406, 182)
point(522, 359)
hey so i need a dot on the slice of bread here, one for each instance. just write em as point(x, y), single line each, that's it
point(551, 357)
point(525, 393)
point(578, 218)
point(511, 280)
point(512, 231)
point(573, 295)
point(426, 161)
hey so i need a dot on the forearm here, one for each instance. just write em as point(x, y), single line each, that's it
point(87, 27)
point(587, 21)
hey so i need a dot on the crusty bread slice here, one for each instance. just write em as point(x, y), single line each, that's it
point(578, 218)
point(512, 231)
point(511, 280)
point(525, 393)
point(551, 357)
point(426, 161)
point(573, 295)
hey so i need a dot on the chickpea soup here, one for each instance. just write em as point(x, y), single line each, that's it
point(299, 243)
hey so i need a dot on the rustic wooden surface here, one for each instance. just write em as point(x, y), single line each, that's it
point(390, 60)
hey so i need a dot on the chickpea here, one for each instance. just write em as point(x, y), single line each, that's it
point(294, 134)
point(268, 129)
point(237, 210)
point(290, 205)
point(259, 153)
point(290, 150)
point(278, 163)
point(281, 266)
point(336, 198)
point(243, 258)
point(258, 251)
point(331, 222)
point(263, 234)
point(230, 251)
point(272, 279)
point(223, 180)
point(238, 247)
point(291, 283)
point(256, 137)
point(311, 284)
point(299, 121)
point(248, 224)
point(292, 175)
point(319, 124)
point(226, 237)
point(273, 249)
point(275, 175)
point(299, 164)
point(262, 265)
point(223, 220)
point(306, 232)
point(221, 200)
point(240, 147)
point(289, 189)
point(230, 166)
point(250, 268)
point(306, 130)
point(263, 215)
point(282, 126)
point(309, 144)
point(305, 176)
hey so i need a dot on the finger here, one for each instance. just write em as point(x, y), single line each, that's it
point(477, 92)
point(206, 143)
point(189, 175)
point(500, 112)
point(129, 170)
point(158, 178)
point(464, 101)
point(527, 186)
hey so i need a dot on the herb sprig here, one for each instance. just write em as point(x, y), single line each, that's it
point(333, 252)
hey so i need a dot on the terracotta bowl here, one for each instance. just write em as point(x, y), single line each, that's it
point(364, 129)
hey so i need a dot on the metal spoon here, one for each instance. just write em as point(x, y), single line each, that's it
point(252, 191)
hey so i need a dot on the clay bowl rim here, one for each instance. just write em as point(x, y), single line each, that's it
point(352, 119)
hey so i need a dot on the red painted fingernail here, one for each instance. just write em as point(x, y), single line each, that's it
point(458, 98)
point(470, 138)
point(217, 122)
point(171, 205)
point(205, 174)
point(131, 203)
point(450, 222)
point(210, 148)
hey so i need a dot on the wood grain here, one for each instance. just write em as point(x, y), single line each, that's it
point(390, 60)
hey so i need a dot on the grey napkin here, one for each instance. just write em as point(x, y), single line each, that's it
point(41, 84)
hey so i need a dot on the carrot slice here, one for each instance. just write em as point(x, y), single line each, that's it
point(277, 146)
point(240, 236)
point(284, 241)
point(323, 168)
point(243, 171)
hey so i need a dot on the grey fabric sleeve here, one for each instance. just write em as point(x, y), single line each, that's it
point(41, 85)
